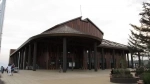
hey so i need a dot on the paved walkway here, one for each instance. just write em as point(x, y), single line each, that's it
point(54, 77)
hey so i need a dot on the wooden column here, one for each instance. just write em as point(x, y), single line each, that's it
point(64, 55)
point(29, 56)
point(47, 56)
point(26, 57)
point(132, 59)
point(128, 60)
point(16, 59)
point(57, 57)
point(95, 56)
point(21, 59)
point(72, 59)
point(12, 59)
point(83, 60)
point(24, 61)
point(34, 56)
point(102, 65)
point(113, 57)
point(89, 54)
point(98, 60)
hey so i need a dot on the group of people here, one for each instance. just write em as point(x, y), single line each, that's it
point(9, 69)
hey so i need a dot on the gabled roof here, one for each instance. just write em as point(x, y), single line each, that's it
point(87, 20)
point(60, 24)
point(111, 44)
point(63, 29)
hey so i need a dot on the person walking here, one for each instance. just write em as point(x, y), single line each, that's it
point(9, 70)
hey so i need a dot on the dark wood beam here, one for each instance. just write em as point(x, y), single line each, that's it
point(113, 57)
point(64, 55)
point(95, 56)
point(34, 56)
point(102, 59)
point(29, 56)
point(89, 54)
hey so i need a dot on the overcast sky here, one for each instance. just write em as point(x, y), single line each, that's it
point(26, 18)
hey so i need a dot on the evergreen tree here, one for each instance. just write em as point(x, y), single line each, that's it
point(140, 37)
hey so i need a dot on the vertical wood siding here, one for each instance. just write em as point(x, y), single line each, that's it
point(85, 27)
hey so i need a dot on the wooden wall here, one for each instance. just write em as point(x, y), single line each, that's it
point(108, 55)
point(85, 27)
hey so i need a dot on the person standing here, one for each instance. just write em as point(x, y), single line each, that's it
point(9, 70)
point(2, 69)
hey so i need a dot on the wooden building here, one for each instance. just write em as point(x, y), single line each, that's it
point(75, 44)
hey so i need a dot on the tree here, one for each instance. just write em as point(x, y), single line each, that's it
point(140, 37)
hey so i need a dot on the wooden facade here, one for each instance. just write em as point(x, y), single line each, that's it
point(75, 44)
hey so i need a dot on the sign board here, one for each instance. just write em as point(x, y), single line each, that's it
point(70, 64)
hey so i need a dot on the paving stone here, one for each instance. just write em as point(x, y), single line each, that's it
point(54, 77)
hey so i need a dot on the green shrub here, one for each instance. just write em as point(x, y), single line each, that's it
point(148, 65)
point(127, 71)
point(146, 78)
point(121, 71)
point(116, 71)
point(140, 70)
point(148, 71)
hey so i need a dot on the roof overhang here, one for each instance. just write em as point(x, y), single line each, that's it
point(98, 40)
